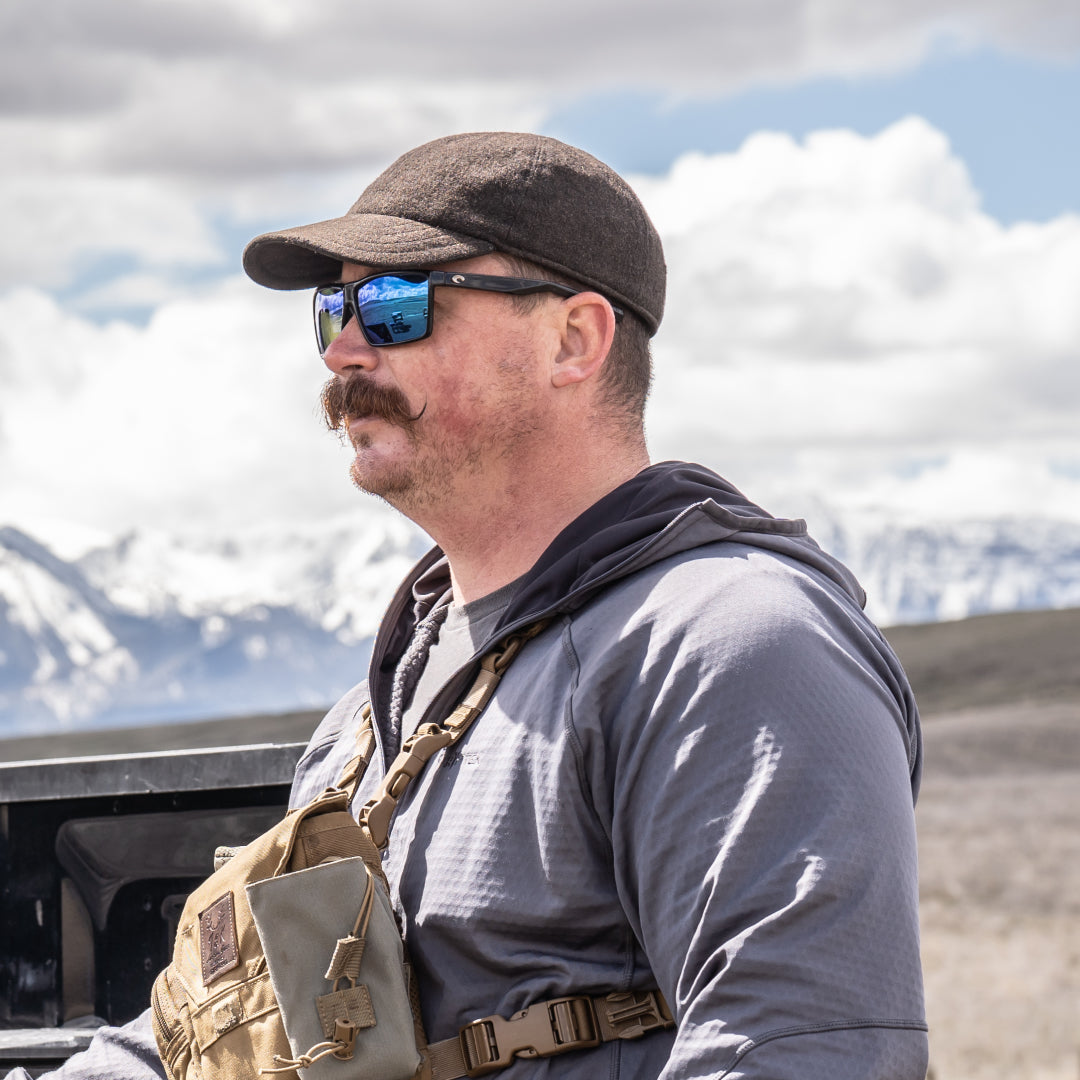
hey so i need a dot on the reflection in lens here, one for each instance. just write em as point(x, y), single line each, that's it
point(380, 331)
point(393, 308)
point(329, 305)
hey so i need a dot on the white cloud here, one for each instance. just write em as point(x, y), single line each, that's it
point(207, 416)
point(137, 292)
point(199, 144)
point(51, 222)
point(1014, 479)
point(843, 320)
point(92, 53)
point(841, 314)
point(128, 126)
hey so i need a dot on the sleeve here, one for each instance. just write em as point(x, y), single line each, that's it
point(330, 748)
point(755, 772)
point(115, 1053)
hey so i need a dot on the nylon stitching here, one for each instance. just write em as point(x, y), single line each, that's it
point(331, 738)
point(615, 1061)
point(853, 1024)
point(575, 741)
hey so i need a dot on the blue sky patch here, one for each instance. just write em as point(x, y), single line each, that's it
point(1011, 120)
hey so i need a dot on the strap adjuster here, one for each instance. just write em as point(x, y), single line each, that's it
point(629, 1014)
point(542, 1030)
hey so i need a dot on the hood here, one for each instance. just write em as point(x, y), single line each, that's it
point(664, 510)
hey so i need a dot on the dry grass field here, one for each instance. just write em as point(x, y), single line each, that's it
point(999, 841)
point(999, 830)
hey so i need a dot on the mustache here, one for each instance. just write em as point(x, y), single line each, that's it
point(343, 400)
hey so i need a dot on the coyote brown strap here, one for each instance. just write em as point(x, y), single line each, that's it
point(353, 773)
point(428, 739)
point(546, 1029)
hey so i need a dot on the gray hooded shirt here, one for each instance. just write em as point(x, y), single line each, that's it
point(699, 776)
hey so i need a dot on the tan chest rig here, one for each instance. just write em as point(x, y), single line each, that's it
point(289, 961)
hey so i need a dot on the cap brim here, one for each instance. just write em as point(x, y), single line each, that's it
point(311, 255)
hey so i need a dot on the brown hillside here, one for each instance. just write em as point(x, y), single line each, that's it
point(990, 660)
point(998, 821)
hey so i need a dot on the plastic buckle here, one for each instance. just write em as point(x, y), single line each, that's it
point(541, 1030)
point(634, 1013)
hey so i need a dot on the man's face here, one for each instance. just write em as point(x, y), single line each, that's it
point(429, 418)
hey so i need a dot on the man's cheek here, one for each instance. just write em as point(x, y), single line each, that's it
point(456, 411)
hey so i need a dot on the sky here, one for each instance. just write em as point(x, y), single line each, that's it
point(870, 211)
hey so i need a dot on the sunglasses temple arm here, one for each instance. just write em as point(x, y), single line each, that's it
point(515, 286)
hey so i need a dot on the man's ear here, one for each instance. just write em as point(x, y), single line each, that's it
point(586, 326)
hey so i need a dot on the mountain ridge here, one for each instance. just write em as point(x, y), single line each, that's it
point(983, 665)
point(159, 628)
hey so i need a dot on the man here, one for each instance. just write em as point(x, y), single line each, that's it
point(698, 776)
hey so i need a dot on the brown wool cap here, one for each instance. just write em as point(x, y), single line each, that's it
point(467, 195)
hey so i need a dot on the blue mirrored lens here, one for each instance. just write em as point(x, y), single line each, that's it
point(329, 306)
point(394, 308)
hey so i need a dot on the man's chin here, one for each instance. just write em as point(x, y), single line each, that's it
point(387, 483)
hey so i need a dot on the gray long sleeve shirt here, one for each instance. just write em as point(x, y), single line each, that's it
point(700, 776)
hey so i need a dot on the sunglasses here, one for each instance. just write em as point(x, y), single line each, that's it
point(395, 308)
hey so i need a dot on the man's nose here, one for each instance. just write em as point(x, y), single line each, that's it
point(350, 351)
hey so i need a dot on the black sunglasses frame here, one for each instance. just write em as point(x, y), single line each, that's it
point(513, 286)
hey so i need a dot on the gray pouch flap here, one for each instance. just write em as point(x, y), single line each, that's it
point(300, 918)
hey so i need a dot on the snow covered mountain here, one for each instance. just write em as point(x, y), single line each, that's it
point(154, 627)
point(918, 572)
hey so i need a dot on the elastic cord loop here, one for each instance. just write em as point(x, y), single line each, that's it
point(304, 1061)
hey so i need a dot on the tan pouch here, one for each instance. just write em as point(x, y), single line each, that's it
point(335, 956)
point(254, 938)
point(215, 1013)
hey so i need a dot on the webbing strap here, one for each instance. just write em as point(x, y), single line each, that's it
point(428, 739)
point(353, 773)
point(546, 1029)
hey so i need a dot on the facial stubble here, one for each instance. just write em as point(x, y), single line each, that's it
point(436, 465)
point(347, 400)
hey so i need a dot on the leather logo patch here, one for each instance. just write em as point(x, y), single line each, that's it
point(217, 939)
